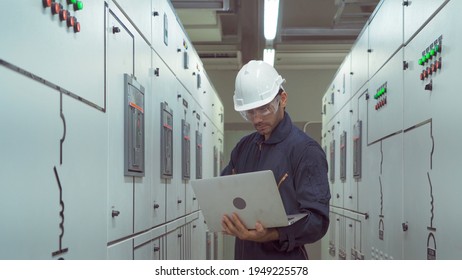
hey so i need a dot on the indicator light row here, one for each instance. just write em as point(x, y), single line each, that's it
point(381, 96)
point(431, 51)
point(381, 103)
point(431, 59)
point(78, 5)
point(432, 68)
point(64, 15)
point(381, 91)
point(430, 54)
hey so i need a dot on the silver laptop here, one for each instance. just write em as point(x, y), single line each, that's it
point(253, 196)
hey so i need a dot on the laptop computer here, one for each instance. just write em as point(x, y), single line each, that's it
point(253, 196)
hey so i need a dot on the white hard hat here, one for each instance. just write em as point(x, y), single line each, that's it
point(257, 83)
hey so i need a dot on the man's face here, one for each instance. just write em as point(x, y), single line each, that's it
point(267, 117)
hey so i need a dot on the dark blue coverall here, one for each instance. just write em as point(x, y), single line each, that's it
point(300, 169)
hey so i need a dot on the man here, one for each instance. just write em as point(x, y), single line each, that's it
point(297, 161)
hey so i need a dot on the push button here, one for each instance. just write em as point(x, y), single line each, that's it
point(77, 27)
point(71, 21)
point(56, 8)
point(63, 15)
point(46, 3)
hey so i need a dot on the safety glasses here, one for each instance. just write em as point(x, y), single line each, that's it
point(262, 111)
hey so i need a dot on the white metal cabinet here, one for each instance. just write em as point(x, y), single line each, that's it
point(121, 251)
point(385, 104)
point(385, 34)
point(40, 43)
point(360, 61)
point(431, 129)
point(119, 45)
point(416, 13)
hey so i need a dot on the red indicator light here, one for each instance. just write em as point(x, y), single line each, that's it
point(55, 8)
point(63, 15)
point(77, 27)
point(70, 21)
point(46, 3)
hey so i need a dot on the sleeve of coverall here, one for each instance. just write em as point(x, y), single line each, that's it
point(313, 195)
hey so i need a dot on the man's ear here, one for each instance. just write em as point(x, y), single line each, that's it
point(284, 97)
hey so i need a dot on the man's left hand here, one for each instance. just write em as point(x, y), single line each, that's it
point(234, 226)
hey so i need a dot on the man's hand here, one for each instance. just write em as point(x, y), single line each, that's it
point(233, 226)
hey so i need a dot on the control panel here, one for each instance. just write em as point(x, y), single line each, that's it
point(166, 142)
point(343, 140)
point(357, 149)
point(134, 127)
point(332, 161)
point(431, 62)
point(186, 149)
point(381, 97)
point(198, 155)
point(65, 12)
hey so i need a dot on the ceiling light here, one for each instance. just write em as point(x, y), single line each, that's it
point(268, 56)
point(271, 18)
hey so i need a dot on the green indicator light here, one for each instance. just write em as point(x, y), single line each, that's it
point(79, 5)
point(427, 56)
point(72, 1)
point(437, 48)
point(424, 59)
point(421, 62)
point(384, 90)
point(432, 52)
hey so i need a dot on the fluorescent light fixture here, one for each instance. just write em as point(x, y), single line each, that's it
point(271, 12)
point(268, 56)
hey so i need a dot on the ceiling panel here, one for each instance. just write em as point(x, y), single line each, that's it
point(311, 33)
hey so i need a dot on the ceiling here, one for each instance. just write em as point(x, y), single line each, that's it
point(312, 34)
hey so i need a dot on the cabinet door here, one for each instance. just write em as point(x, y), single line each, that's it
point(120, 188)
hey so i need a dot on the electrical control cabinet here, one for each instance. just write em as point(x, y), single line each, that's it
point(404, 139)
point(431, 125)
point(90, 131)
point(416, 13)
point(385, 109)
point(384, 42)
point(134, 127)
point(359, 61)
point(342, 84)
point(166, 141)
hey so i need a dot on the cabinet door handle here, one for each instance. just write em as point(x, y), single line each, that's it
point(115, 213)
